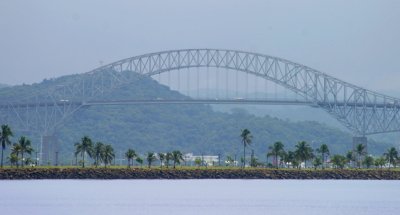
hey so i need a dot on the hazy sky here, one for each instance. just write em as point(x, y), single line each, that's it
point(357, 41)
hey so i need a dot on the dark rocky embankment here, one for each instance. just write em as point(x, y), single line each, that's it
point(120, 173)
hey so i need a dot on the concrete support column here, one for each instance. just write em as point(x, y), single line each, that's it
point(48, 150)
point(356, 141)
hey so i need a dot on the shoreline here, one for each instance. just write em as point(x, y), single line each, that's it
point(141, 173)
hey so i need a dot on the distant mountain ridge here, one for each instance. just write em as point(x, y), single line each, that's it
point(189, 128)
point(4, 85)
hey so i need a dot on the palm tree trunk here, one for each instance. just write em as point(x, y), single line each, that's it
point(22, 160)
point(17, 160)
point(244, 154)
point(2, 149)
point(83, 160)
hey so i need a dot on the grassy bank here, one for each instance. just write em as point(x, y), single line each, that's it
point(194, 173)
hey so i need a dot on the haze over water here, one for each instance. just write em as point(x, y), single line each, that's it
point(199, 197)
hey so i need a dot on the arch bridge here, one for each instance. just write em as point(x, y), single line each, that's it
point(362, 111)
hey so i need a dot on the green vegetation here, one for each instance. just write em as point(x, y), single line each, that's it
point(198, 162)
point(178, 129)
point(161, 157)
point(151, 157)
point(98, 150)
point(83, 148)
point(303, 152)
point(5, 135)
point(130, 155)
point(168, 157)
point(24, 146)
point(339, 161)
point(324, 151)
point(317, 162)
point(392, 156)
point(177, 157)
point(380, 162)
point(108, 155)
point(368, 161)
point(101, 153)
point(277, 151)
point(360, 151)
point(188, 128)
point(139, 160)
point(246, 140)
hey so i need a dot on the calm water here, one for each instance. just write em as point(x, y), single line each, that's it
point(199, 197)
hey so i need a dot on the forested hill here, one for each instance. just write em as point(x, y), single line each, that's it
point(189, 128)
point(3, 85)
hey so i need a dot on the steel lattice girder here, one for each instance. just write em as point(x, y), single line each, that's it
point(362, 111)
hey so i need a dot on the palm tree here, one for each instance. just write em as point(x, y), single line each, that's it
point(16, 150)
point(168, 157)
point(289, 158)
point(317, 162)
point(108, 155)
point(360, 151)
point(130, 155)
point(177, 157)
point(98, 150)
point(303, 152)
point(139, 160)
point(5, 135)
point(28, 161)
point(26, 147)
point(197, 161)
point(254, 161)
point(151, 157)
point(338, 161)
point(276, 151)
point(381, 161)
point(368, 161)
point(13, 158)
point(85, 146)
point(324, 150)
point(161, 157)
point(350, 157)
point(246, 140)
point(392, 156)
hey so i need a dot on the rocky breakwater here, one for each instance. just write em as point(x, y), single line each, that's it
point(156, 173)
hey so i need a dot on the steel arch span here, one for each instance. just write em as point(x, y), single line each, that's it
point(362, 111)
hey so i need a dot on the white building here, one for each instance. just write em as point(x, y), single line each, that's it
point(208, 160)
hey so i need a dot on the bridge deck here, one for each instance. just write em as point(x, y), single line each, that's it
point(195, 101)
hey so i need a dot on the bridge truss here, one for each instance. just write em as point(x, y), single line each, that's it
point(362, 111)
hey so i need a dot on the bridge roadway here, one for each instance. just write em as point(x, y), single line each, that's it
point(196, 101)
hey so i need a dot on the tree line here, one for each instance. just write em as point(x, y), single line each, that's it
point(302, 156)
point(19, 149)
point(104, 154)
point(319, 157)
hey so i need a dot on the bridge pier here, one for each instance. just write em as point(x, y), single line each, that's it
point(356, 141)
point(48, 150)
point(360, 140)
